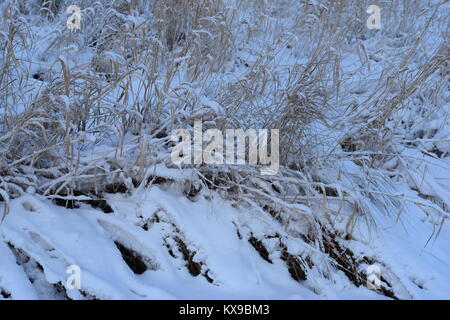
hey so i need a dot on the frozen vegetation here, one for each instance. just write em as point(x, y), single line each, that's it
point(358, 209)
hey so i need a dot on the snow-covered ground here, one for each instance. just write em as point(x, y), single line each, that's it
point(55, 238)
point(87, 186)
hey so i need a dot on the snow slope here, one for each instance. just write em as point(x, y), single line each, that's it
point(56, 237)
point(86, 177)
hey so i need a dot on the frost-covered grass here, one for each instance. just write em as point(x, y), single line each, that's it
point(86, 119)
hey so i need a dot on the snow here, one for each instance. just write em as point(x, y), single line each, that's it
point(56, 238)
point(387, 201)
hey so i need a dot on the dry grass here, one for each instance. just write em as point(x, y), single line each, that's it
point(149, 65)
point(89, 112)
